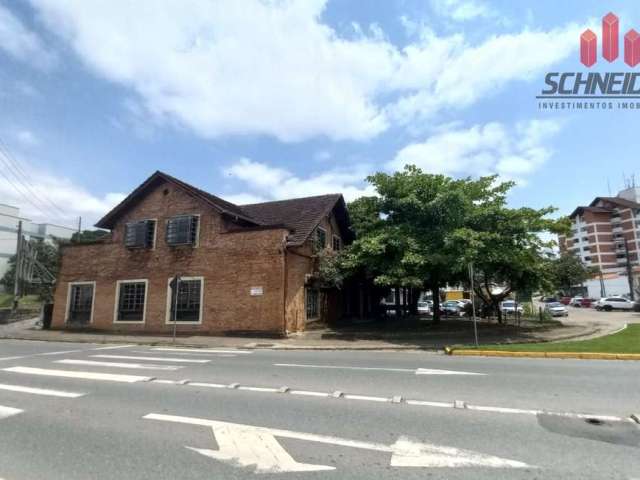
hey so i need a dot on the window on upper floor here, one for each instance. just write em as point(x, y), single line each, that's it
point(182, 230)
point(319, 239)
point(337, 243)
point(140, 234)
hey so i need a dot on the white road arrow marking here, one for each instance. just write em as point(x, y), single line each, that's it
point(8, 411)
point(246, 445)
point(418, 371)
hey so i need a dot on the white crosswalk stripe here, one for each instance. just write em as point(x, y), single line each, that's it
point(40, 391)
point(108, 377)
point(156, 359)
point(6, 412)
point(138, 366)
point(199, 350)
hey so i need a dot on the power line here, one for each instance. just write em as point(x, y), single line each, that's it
point(22, 193)
point(5, 150)
point(16, 174)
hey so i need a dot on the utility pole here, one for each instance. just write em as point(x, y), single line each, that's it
point(629, 269)
point(79, 225)
point(18, 269)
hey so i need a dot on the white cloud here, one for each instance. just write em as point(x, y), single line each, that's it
point(455, 75)
point(513, 153)
point(27, 138)
point(274, 68)
point(461, 10)
point(56, 199)
point(21, 43)
point(275, 183)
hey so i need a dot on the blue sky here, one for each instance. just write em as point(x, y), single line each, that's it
point(260, 100)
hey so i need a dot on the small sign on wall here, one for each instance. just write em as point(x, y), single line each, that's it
point(256, 291)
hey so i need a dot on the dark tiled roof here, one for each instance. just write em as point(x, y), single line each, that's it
point(623, 202)
point(580, 210)
point(301, 215)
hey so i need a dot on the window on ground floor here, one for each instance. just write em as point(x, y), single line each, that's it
point(80, 304)
point(131, 300)
point(187, 307)
point(312, 303)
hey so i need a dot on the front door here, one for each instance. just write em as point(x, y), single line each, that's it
point(81, 304)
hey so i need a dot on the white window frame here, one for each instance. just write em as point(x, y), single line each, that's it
point(117, 303)
point(155, 232)
point(196, 244)
point(168, 320)
point(93, 299)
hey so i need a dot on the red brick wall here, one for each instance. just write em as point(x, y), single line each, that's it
point(231, 263)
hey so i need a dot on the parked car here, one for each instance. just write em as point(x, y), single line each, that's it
point(548, 299)
point(614, 303)
point(451, 307)
point(508, 307)
point(580, 302)
point(565, 300)
point(424, 308)
point(556, 309)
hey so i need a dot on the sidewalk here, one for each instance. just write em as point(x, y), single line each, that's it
point(356, 337)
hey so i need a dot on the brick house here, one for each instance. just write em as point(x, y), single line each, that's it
point(242, 268)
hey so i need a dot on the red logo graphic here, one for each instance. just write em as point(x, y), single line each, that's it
point(610, 43)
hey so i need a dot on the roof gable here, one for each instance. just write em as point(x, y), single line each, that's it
point(222, 206)
point(299, 215)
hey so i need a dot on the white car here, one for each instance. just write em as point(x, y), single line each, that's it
point(576, 302)
point(509, 307)
point(424, 307)
point(614, 303)
point(556, 309)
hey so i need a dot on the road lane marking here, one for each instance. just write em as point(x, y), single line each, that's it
point(343, 367)
point(248, 445)
point(156, 359)
point(109, 377)
point(200, 350)
point(417, 371)
point(433, 371)
point(40, 391)
point(113, 347)
point(6, 412)
point(207, 385)
point(368, 398)
point(138, 366)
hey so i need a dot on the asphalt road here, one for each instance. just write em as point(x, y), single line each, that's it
point(70, 411)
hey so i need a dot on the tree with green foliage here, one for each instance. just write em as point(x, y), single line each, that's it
point(88, 236)
point(423, 230)
point(568, 271)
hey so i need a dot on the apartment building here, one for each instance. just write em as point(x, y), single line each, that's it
point(606, 234)
point(9, 218)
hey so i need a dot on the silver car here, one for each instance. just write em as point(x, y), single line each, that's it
point(556, 309)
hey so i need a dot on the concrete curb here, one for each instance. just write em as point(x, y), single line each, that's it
point(579, 355)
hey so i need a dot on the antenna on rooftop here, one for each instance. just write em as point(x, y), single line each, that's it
point(608, 186)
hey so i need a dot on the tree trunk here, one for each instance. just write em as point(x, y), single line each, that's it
point(435, 295)
point(398, 303)
point(414, 301)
